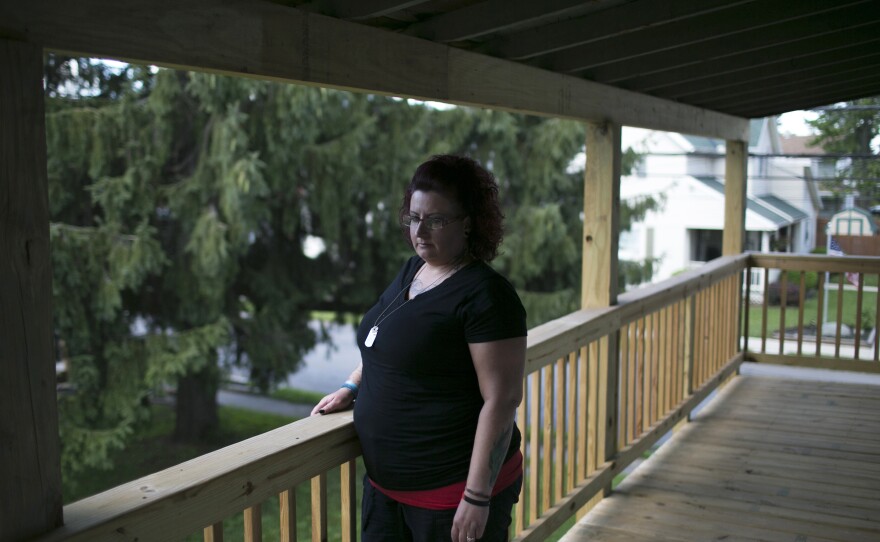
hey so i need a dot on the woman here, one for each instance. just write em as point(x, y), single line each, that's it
point(442, 361)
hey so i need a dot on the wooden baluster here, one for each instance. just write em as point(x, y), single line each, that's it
point(547, 430)
point(677, 352)
point(699, 350)
point(593, 408)
point(630, 385)
point(319, 508)
point(638, 391)
point(534, 431)
point(287, 509)
point(820, 308)
point(665, 343)
point(559, 424)
point(648, 375)
point(348, 497)
point(573, 415)
point(583, 397)
point(213, 533)
point(764, 304)
point(689, 345)
point(253, 524)
point(783, 298)
point(716, 328)
point(747, 301)
point(625, 345)
point(801, 297)
point(839, 314)
point(655, 366)
point(735, 315)
point(604, 392)
point(728, 318)
point(859, 294)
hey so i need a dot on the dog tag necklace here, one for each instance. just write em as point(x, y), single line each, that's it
point(374, 331)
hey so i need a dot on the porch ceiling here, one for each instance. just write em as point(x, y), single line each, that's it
point(692, 66)
point(747, 58)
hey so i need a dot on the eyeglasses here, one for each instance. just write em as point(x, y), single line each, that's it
point(433, 222)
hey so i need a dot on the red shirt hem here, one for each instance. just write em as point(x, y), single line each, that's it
point(447, 497)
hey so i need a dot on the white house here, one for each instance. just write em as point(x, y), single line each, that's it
point(687, 174)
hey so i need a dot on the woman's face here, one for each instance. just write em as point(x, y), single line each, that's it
point(441, 246)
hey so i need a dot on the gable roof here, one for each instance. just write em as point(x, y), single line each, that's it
point(786, 208)
point(762, 206)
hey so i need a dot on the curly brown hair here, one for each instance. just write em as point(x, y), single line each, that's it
point(474, 188)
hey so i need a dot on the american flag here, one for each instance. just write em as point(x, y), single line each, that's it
point(835, 250)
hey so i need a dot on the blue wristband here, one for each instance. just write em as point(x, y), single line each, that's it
point(348, 384)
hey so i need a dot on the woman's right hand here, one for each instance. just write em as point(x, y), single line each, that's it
point(340, 399)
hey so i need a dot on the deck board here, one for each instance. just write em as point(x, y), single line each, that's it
point(767, 459)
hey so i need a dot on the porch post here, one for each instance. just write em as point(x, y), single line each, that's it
point(601, 216)
point(30, 467)
point(735, 170)
point(599, 270)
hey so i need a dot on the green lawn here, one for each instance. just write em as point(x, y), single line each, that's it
point(869, 304)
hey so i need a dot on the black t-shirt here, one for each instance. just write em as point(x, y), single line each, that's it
point(419, 399)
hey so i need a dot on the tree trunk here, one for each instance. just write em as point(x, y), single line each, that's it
point(196, 405)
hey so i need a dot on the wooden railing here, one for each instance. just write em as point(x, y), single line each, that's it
point(800, 319)
point(602, 387)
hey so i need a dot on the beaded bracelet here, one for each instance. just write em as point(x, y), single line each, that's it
point(348, 384)
point(475, 502)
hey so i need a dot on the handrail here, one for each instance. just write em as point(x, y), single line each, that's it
point(572, 353)
point(183, 499)
point(608, 383)
point(549, 341)
point(793, 331)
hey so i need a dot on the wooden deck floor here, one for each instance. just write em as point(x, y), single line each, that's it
point(767, 459)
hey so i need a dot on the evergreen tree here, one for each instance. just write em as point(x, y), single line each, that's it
point(181, 203)
point(185, 254)
point(853, 128)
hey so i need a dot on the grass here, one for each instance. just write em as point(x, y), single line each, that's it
point(869, 304)
point(294, 395)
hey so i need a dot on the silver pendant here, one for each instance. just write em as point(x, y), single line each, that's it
point(371, 336)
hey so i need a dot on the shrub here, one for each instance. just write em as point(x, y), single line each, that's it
point(792, 294)
point(811, 279)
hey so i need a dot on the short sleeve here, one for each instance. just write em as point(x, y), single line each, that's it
point(494, 312)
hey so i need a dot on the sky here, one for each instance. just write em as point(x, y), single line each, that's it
point(794, 122)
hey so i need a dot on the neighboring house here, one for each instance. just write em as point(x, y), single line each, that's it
point(687, 173)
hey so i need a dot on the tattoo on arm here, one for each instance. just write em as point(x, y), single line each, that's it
point(496, 456)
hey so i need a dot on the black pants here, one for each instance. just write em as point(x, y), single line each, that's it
point(386, 520)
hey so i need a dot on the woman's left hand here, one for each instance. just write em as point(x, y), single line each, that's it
point(470, 522)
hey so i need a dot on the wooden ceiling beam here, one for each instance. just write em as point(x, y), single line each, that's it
point(729, 69)
point(782, 20)
point(354, 10)
point(754, 42)
point(268, 41)
point(834, 81)
point(492, 16)
point(806, 71)
point(775, 105)
point(622, 20)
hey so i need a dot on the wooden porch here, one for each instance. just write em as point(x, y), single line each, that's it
point(604, 384)
point(768, 459)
